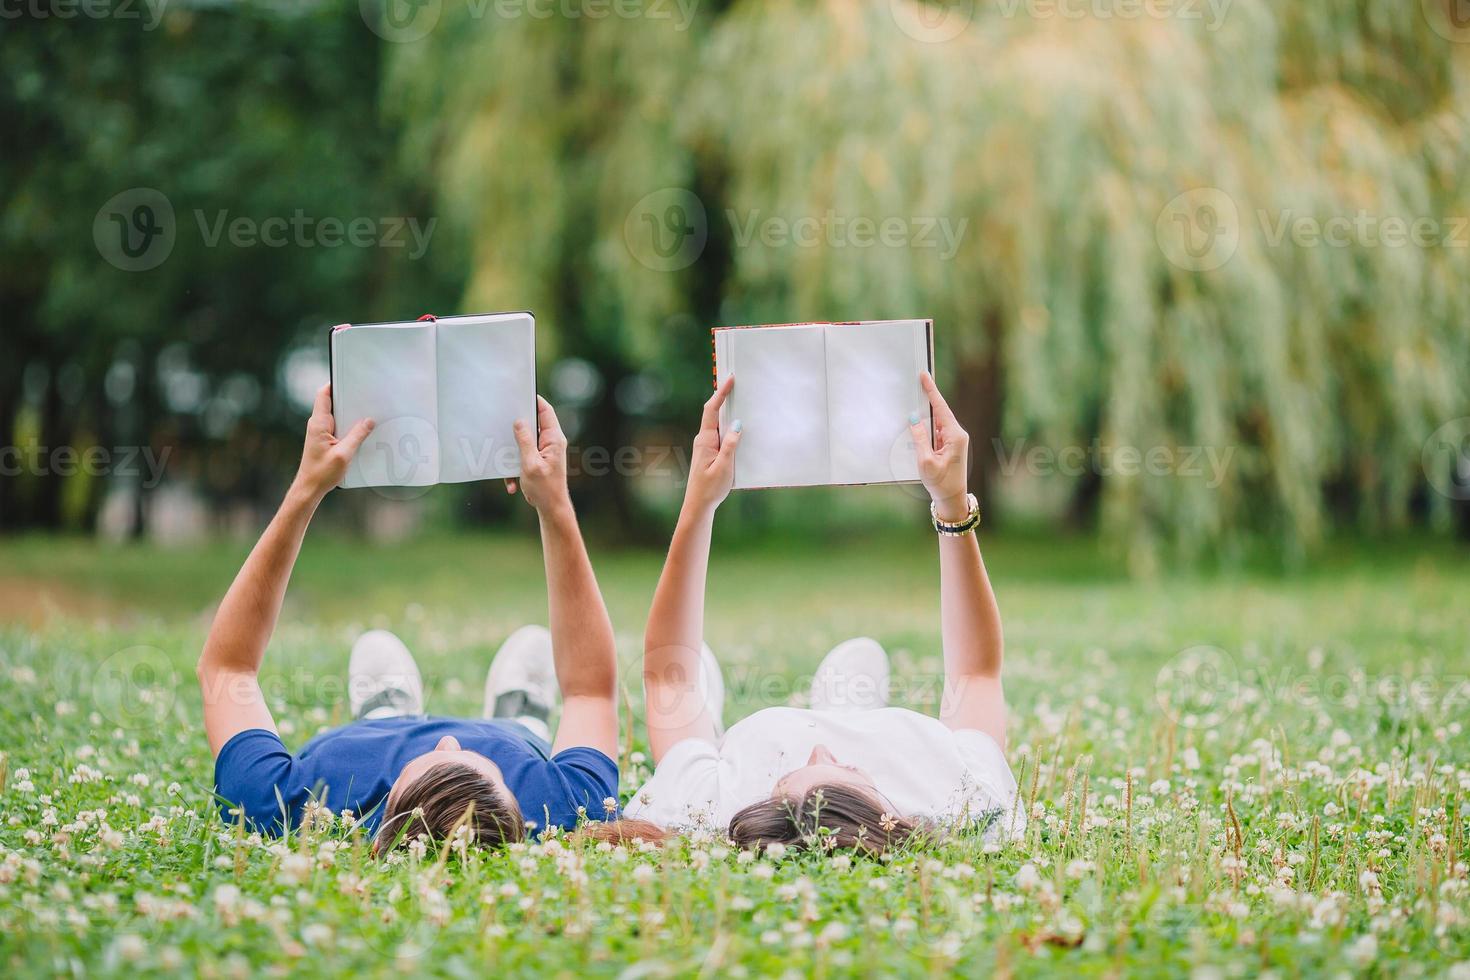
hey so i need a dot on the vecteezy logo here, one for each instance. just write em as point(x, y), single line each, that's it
point(932, 23)
point(135, 230)
point(666, 230)
point(401, 21)
point(408, 452)
point(903, 460)
point(1446, 459)
point(132, 688)
point(1450, 19)
point(1199, 230)
point(399, 460)
point(1198, 687)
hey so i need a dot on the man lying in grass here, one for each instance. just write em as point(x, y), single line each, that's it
point(402, 773)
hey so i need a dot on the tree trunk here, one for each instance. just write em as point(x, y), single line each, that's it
point(978, 400)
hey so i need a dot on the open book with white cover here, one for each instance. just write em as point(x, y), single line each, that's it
point(443, 394)
point(825, 403)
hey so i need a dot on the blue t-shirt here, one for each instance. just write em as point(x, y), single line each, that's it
point(353, 768)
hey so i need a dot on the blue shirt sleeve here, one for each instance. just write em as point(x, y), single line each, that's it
point(590, 777)
point(250, 770)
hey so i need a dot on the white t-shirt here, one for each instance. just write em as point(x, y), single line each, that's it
point(922, 767)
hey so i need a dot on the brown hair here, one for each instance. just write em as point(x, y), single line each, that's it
point(446, 797)
point(826, 817)
point(624, 831)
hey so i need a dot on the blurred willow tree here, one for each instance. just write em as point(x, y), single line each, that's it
point(1129, 201)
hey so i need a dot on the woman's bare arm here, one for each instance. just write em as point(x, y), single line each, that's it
point(969, 616)
point(581, 632)
point(674, 705)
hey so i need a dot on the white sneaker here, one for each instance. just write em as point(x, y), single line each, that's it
point(712, 683)
point(521, 684)
point(383, 680)
point(852, 677)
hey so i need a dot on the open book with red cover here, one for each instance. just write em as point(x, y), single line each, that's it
point(443, 392)
point(825, 403)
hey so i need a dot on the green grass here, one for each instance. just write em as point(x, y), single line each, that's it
point(1322, 713)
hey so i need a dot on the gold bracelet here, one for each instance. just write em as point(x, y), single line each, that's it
point(965, 526)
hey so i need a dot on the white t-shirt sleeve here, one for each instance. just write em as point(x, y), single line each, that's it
point(684, 789)
point(994, 785)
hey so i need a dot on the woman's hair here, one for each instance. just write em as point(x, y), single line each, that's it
point(439, 802)
point(625, 831)
point(826, 817)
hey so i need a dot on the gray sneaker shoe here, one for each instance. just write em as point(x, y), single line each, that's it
point(521, 684)
point(383, 680)
point(852, 677)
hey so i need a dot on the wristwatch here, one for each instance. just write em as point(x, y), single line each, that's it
point(965, 526)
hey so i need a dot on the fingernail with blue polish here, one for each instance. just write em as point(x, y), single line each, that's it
point(738, 425)
point(913, 418)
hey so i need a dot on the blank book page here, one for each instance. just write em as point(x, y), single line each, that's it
point(872, 388)
point(386, 373)
point(780, 398)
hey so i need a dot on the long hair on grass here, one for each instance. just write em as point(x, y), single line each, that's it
point(825, 817)
point(439, 802)
point(625, 831)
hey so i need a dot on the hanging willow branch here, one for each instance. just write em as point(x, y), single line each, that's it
point(1029, 163)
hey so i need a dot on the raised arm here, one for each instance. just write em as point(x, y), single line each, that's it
point(969, 617)
point(674, 705)
point(246, 618)
point(581, 633)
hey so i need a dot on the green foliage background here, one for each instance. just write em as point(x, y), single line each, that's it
point(1053, 144)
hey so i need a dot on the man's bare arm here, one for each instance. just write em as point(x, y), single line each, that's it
point(230, 663)
point(581, 632)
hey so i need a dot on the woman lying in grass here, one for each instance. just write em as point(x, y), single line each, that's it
point(849, 771)
point(404, 774)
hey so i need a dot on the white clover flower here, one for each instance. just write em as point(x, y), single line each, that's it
point(316, 934)
point(1362, 951)
point(1028, 878)
point(131, 948)
point(294, 869)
